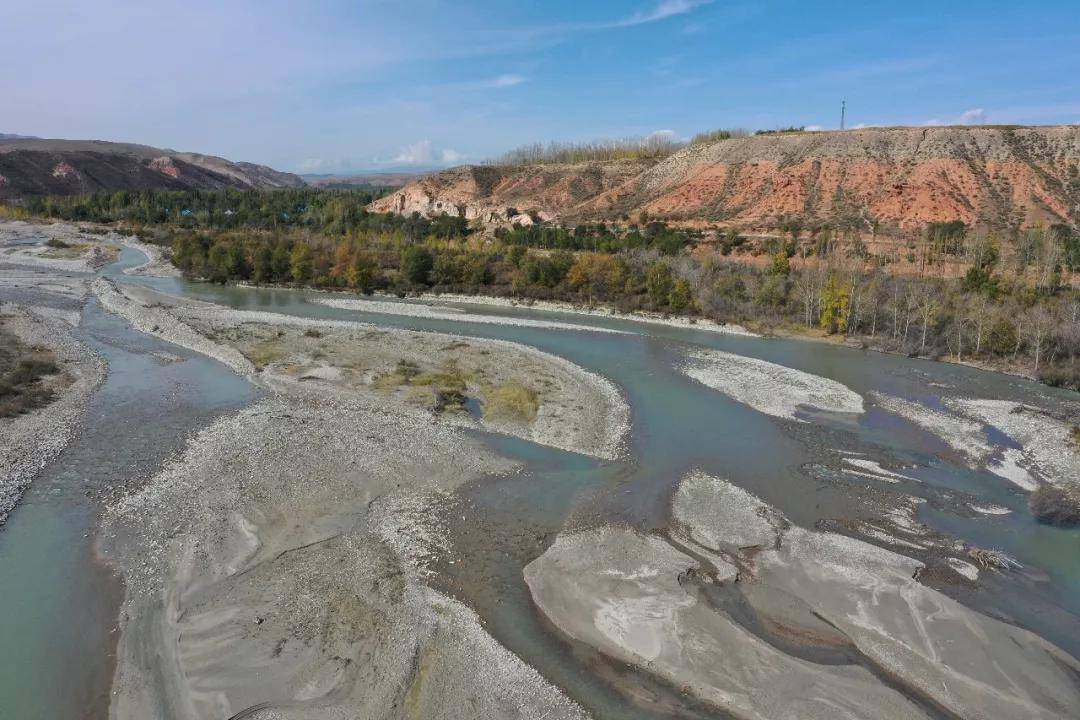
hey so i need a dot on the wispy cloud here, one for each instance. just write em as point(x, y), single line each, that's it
point(450, 156)
point(498, 82)
point(661, 11)
point(504, 81)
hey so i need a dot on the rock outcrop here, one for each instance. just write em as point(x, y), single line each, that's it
point(510, 194)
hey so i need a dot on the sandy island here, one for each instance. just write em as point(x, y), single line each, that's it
point(767, 620)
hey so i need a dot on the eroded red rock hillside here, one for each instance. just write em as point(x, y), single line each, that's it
point(997, 177)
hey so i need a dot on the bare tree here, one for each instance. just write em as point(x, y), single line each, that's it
point(1040, 322)
point(928, 305)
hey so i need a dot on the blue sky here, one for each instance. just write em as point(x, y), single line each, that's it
point(378, 84)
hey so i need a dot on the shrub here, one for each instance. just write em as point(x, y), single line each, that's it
point(448, 381)
point(265, 353)
point(511, 401)
point(711, 136)
point(449, 401)
point(1056, 504)
point(1063, 375)
point(20, 387)
point(782, 130)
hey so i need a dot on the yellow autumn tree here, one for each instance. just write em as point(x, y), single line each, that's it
point(835, 305)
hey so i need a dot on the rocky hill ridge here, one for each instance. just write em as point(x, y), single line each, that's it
point(31, 166)
point(997, 177)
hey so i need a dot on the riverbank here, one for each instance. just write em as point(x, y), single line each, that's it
point(452, 314)
point(30, 439)
point(157, 262)
point(752, 329)
point(686, 322)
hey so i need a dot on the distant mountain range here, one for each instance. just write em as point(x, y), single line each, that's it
point(390, 179)
point(993, 177)
point(33, 166)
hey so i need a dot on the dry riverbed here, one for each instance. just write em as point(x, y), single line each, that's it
point(766, 620)
point(278, 568)
point(58, 246)
point(490, 384)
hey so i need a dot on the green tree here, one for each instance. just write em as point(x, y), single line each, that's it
point(216, 261)
point(416, 265)
point(516, 254)
point(262, 265)
point(281, 261)
point(681, 296)
point(361, 272)
point(476, 270)
point(658, 283)
point(779, 265)
point(301, 263)
point(772, 293)
point(446, 270)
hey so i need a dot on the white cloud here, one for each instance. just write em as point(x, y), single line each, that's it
point(424, 152)
point(662, 11)
point(665, 136)
point(975, 116)
point(418, 153)
point(813, 128)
